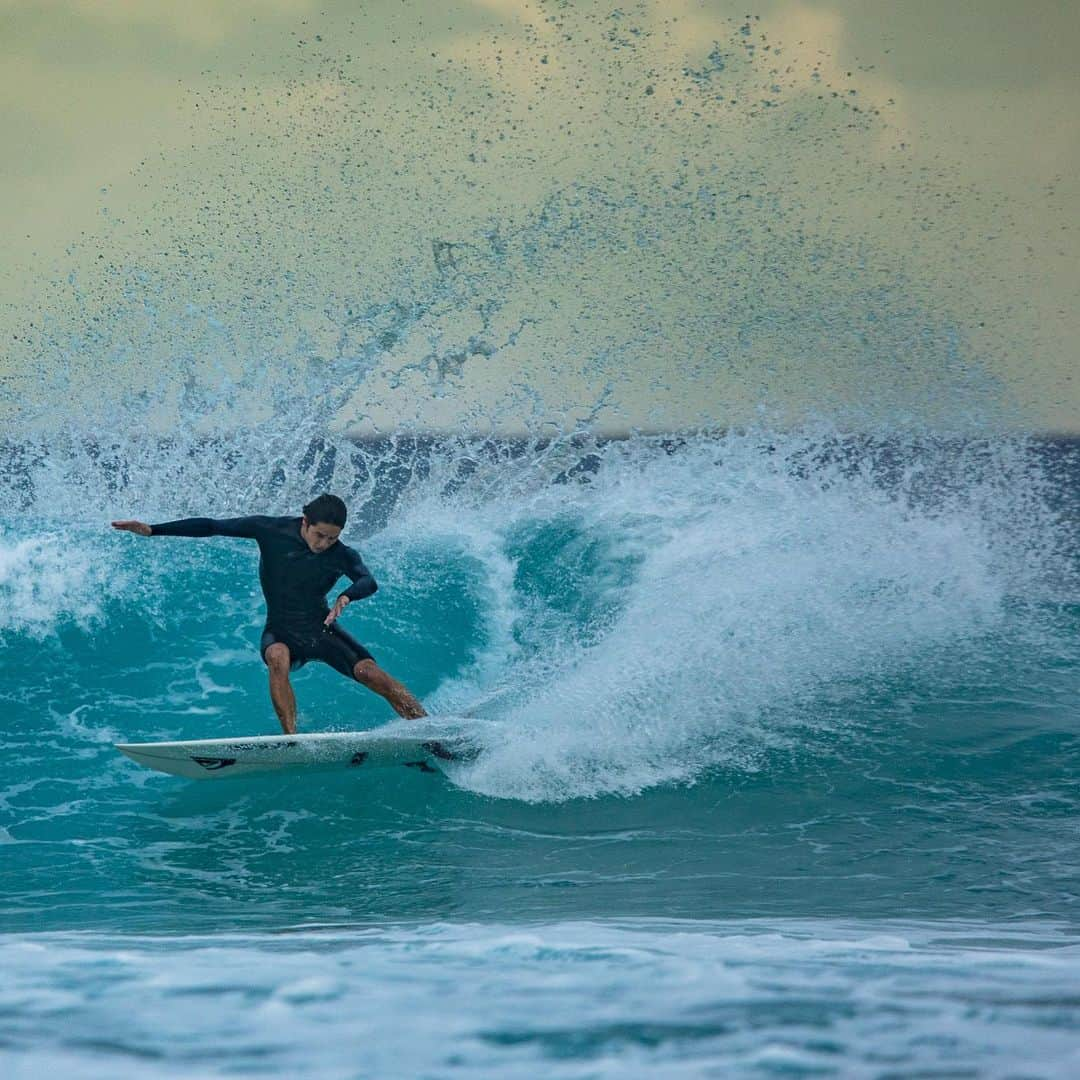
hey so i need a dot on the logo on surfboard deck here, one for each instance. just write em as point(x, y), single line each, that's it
point(445, 753)
point(277, 744)
point(211, 764)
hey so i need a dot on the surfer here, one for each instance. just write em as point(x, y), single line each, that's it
point(299, 560)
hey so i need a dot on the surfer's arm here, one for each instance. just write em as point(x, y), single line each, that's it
point(244, 527)
point(363, 584)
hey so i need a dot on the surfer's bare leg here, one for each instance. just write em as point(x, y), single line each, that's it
point(281, 691)
point(398, 694)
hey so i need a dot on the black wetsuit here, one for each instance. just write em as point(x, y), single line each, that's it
point(295, 581)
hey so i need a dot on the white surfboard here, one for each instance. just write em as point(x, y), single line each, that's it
point(420, 744)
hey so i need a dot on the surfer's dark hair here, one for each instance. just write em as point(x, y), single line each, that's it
point(326, 510)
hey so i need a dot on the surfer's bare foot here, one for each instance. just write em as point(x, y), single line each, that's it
point(411, 709)
point(397, 694)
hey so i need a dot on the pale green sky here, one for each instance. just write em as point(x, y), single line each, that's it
point(215, 145)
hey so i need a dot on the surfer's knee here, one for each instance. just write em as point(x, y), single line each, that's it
point(369, 674)
point(277, 658)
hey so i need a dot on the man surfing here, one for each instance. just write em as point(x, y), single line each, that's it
point(299, 560)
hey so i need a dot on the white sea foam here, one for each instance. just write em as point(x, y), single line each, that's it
point(49, 578)
point(703, 600)
point(610, 998)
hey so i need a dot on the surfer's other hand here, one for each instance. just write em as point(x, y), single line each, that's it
point(340, 605)
point(139, 527)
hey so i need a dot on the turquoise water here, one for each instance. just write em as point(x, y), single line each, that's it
point(779, 773)
point(779, 757)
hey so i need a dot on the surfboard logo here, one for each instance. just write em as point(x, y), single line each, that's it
point(212, 764)
point(445, 753)
point(436, 749)
point(276, 744)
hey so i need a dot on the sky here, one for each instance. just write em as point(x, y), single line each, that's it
point(651, 215)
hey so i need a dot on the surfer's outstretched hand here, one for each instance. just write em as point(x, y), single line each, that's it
point(139, 527)
point(340, 605)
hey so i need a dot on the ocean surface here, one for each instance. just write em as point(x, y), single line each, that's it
point(779, 774)
point(778, 693)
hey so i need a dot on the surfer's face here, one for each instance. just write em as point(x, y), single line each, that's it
point(319, 536)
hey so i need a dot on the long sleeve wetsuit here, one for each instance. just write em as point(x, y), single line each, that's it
point(294, 579)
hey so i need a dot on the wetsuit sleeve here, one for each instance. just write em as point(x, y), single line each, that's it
point(248, 528)
point(352, 566)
